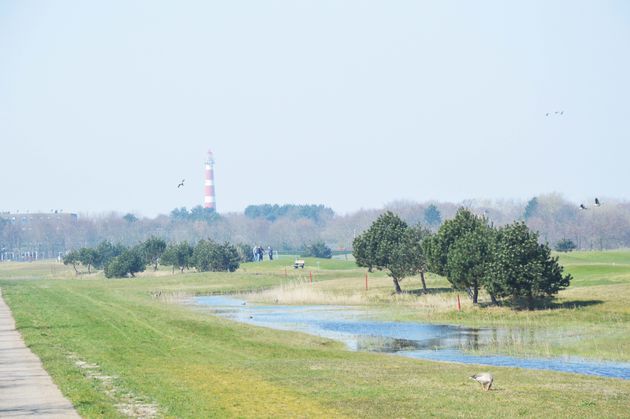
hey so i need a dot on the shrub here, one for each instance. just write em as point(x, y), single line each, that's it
point(565, 245)
point(127, 263)
point(210, 256)
point(318, 250)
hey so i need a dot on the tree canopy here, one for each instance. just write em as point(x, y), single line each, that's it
point(318, 250)
point(524, 269)
point(390, 245)
point(461, 251)
point(432, 216)
point(317, 213)
point(178, 255)
point(152, 249)
point(129, 262)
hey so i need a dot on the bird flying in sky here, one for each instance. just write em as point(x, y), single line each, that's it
point(181, 183)
point(582, 207)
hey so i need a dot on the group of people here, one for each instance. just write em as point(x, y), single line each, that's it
point(259, 253)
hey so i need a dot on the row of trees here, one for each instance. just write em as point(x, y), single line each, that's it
point(271, 212)
point(508, 262)
point(119, 261)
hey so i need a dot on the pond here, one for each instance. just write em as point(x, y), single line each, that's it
point(353, 326)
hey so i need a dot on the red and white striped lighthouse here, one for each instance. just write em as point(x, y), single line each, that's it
point(209, 200)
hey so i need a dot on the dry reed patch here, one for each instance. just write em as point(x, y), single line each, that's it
point(170, 297)
point(303, 292)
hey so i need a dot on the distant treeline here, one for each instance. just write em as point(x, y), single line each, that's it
point(291, 228)
point(316, 213)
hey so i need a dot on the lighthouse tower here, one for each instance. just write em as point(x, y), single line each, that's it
point(209, 200)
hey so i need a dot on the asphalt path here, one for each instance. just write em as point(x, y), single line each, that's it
point(26, 389)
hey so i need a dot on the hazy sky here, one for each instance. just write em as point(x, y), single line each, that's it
point(352, 104)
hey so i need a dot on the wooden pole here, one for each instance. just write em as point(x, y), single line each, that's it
point(366, 281)
point(459, 304)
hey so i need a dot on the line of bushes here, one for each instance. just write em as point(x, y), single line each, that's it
point(118, 261)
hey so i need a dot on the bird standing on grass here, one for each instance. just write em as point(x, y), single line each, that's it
point(582, 207)
point(484, 378)
point(597, 203)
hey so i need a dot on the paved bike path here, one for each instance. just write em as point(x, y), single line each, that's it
point(26, 389)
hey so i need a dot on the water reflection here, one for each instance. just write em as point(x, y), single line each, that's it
point(417, 340)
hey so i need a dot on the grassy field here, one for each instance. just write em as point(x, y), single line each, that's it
point(126, 347)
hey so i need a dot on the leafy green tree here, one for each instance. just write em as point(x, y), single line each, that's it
point(129, 262)
point(130, 218)
point(468, 260)
point(178, 255)
point(88, 257)
point(180, 214)
point(200, 213)
point(318, 250)
point(436, 247)
point(389, 245)
point(202, 255)
point(460, 251)
point(565, 245)
point(152, 249)
point(210, 256)
point(106, 252)
point(531, 208)
point(72, 258)
point(432, 216)
point(226, 258)
point(245, 253)
point(524, 269)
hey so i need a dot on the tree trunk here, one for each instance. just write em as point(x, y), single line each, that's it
point(530, 301)
point(475, 294)
point(494, 299)
point(424, 284)
point(76, 271)
point(89, 271)
point(397, 285)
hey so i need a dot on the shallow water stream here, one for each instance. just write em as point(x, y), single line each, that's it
point(352, 326)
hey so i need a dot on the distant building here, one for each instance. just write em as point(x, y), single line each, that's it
point(27, 218)
point(32, 236)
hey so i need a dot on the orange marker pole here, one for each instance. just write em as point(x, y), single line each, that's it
point(310, 274)
point(366, 282)
point(459, 304)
